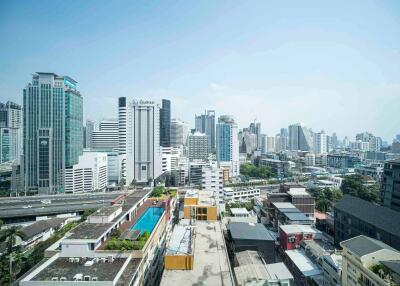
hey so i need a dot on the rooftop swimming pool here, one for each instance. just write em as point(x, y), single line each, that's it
point(148, 219)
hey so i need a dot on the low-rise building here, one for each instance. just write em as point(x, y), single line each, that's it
point(252, 270)
point(200, 205)
point(290, 236)
point(196, 255)
point(302, 268)
point(354, 216)
point(252, 236)
point(240, 193)
point(368, 261)
point(122, 244)
point(332, 267)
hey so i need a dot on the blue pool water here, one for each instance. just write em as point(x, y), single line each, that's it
point(148, 220)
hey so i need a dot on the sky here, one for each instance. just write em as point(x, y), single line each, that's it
point(332, 65)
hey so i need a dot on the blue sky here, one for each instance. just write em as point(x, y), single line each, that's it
point(333, 65)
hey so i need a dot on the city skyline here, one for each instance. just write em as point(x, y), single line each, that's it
point(314, 69)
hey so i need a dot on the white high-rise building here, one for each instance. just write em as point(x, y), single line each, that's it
point(139, 143)
point(320, 143)
point(179, 132)
point(88, 175)
point(228, 144)
point(106, 138)
point(198, 146)
point(212, 179)
point(170, 159)
point(270, 144)
point(309, 159)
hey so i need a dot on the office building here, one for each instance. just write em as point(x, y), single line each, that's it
point(239, 194)
point(10, 131)
point(198, 146)
point(205, 123)
point(354, 216)
point(53, 130)
point(89, 174)
point(320, 143)
point(255, 128)
point(282, 140)
point(106, 137)
point(88, 134)
point(342, 161)
point(390, 188)
point(264, 143)
point(228, 144)
point(141, 148)
point(300, 138)
point(309, 159)
point(179, 132)
point(165, 123)
point(368, 261)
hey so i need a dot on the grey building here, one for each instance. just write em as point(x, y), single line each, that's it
point(390, 187)
point(53, 130)
point(342, 161)
point(205, 123)
point(106, 137)
point(300, 138)
point(88, 134)
point(178, 133)
point(198, 146)
point(10, 131)
point(165, 123)
point(354, 216)
point(252, 236)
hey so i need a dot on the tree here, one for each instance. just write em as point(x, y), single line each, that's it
point(9, 236)
point(354, 185)
point(133, 183)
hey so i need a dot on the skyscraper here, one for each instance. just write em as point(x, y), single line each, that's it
point(89, 128)
point(255, 128)
point(320, 143)
point(165, 121)
point(53, 130)
point(198, 146)
point(10, 131)
point(205, 123)
point(139, 143)
point(228, 144)
point(179, 131)
point(300, 138)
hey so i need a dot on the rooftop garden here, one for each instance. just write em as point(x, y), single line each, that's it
point(161, 191)
point(125, 245)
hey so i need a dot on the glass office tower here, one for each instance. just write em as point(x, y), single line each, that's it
point(53, 130)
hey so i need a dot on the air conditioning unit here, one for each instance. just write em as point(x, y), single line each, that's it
point(76, 260)
point(63, 279)
point(94, 278)
point(78, 277)
point(86, 278)
point(110, 259)
point(103, 260)
point(54, 279)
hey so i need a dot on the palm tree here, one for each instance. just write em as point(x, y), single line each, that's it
point(9, 236)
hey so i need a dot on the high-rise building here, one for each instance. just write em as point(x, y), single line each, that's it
point(179, 132)
point(139, 143)
point(205, 123)
point(255, 128)
point(300, 138)
point(10, 131)
point(106, 137)
point(390, 187)
point(320, 143)
point(89, 174)
point(227, 144)
point(165, 123)
point(271, 144)
point(88, 134)
point(264, 143)
point(198, 146)
point(53, 130)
